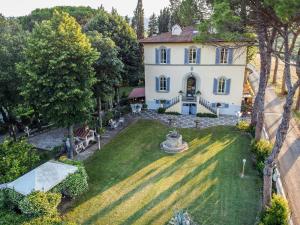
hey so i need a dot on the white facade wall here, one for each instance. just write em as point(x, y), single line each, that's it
point(205, 72)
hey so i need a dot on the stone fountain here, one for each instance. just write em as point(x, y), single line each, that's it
point(174, 142)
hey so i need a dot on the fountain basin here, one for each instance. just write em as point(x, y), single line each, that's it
point(174, 144)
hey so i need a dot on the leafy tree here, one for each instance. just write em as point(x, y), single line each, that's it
point(17, 158)
point(127, 19)
point(164, 20)
point(153, 25)
point(139, 20)
point(82, 14)
point(58, 71)
point(174, 10)
point(12, 41)
point(108, 69)
point(116, 28)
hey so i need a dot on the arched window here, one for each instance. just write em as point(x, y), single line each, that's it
point(163, 55)
point(192, 55)
point(162, 83)
point(224, 55)
point(221, 85)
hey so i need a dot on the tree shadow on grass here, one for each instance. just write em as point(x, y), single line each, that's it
point(167, 172)
point(147, 157)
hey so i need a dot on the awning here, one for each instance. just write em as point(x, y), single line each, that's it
point(137, 93)
point(42, 178)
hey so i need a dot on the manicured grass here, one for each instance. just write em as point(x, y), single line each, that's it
point(133, 182)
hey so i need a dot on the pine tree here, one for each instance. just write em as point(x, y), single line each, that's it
point(138, 20)
point(153, 25)
point(174, 10)
point(164, 20)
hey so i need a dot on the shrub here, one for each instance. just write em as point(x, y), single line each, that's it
point(261, 149)
point(277, 213)
point(173, 113)
point(8, 217)
point(40, 204)
point(145, 106)
point(246, 127)
point(75, 184)
point(210, 115)
point(161, 110)
point(17, 158)
point(12, 198)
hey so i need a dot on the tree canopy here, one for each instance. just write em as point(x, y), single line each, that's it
point(116, 28)
point(58, 70)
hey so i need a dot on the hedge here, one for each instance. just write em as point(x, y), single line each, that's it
point(210, 115)
point(277, 213)
point(161, 110)
point(75, 184)
point(40, 204)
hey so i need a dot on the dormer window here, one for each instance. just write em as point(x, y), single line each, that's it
point(163, 56)
point(224, 55)
point(192, 55)
point(176, 30)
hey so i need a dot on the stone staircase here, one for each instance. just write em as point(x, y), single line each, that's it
point(172, 102)
point(207, 105)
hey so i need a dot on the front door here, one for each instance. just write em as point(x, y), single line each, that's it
point(191, 87)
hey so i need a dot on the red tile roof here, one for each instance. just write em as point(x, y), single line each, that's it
point(185, 37)
point(137, 93)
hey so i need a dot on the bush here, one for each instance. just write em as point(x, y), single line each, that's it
point(161, 110)
point(17, 158)
point(210, 115)
point(172, 113)
point(11, 198)
point(75, 184)
point(261, 149)
point(246, 127)
point(8, 217)
point(40, 204)
point(277, 213)
point(145, 106)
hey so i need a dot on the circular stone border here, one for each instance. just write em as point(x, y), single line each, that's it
point(174, 150)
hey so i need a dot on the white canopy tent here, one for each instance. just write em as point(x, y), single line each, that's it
point(42, 178)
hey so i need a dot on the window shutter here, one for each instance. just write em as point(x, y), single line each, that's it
point(198, 59)
point(168, 84)
point(217, 55)
point(215, 90)
point(230, 55)
point(228, 83)
point(156, 83)
point(168, 56)
point(186, 56)
point(157, 51)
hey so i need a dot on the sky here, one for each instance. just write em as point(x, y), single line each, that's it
point(124, 7)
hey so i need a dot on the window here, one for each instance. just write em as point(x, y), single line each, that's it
point(221, 85)
point(224, 55)
point(163, 56)
point(162, 83)
point(192, 55)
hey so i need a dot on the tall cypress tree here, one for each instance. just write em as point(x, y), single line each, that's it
point(153, 25)
point(138, 20)
point(164, 20)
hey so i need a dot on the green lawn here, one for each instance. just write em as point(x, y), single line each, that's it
point(133, 182)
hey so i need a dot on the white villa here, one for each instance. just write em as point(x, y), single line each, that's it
point(187, 77)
